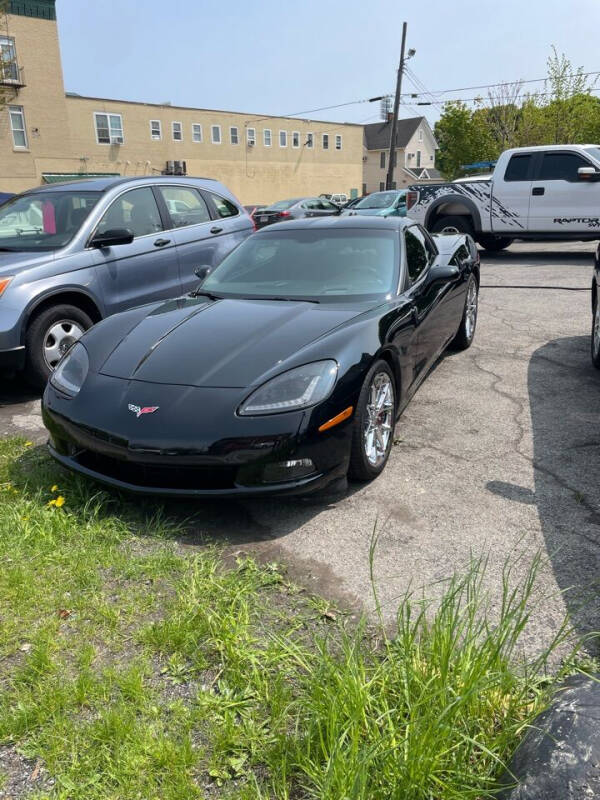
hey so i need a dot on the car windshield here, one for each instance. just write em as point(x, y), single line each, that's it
point(380, 200)
point(594, 152)
point(43, 220)
point(281, 205)
point(323, 265)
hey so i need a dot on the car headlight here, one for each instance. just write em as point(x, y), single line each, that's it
point(4, 283)
point(298, 388)
point(72, 370)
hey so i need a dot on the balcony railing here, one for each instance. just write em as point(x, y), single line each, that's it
point(11, 74)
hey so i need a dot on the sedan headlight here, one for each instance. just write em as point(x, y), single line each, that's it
point(298, 388)
point(71, 372)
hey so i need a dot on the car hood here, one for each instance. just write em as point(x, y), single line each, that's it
point(223, 343)
point(12, 263)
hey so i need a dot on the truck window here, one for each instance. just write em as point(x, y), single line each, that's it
point(518, 167)
point(561, 166)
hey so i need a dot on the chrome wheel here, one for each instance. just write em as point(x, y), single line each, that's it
point(379, 420)
point(59, 337)
point(596, 335)
point(471, 309)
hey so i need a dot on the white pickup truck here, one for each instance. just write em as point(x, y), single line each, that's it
point(536, 193)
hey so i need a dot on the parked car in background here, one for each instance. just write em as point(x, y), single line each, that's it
point(296, 208)
point(254, 208)
point(4, 196)
point(339, 199)
point(319, 332)
point(354, 201)
point(549, 192)
point(74, 253)
point(381, 204)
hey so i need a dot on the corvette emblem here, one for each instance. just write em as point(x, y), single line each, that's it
point(139, 410)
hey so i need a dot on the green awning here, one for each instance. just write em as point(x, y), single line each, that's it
point(60, 177)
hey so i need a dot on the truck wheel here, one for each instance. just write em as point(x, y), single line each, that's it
point(453, 225)
point(494, 243)
point(49, 336)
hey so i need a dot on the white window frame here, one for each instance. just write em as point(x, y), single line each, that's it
point(233, 128)
point(176, 122)
point(213, 128)
point(152, 136)
point(325, 137)
point(284, 137)
point(196, 128)
point(108, 115)
point(310, 140)
point(18, 111)
point(251, 137)
point(338, 141)
point(270, 132)
point(296, 137)
point(9, 71)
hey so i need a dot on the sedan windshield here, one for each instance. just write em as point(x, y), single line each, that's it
point(323, 265)
point(379, 200)
point(44, 220)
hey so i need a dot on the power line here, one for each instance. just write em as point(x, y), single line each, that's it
point(478, 99)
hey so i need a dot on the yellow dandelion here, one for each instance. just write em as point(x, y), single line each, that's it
point(54, 488)
point(28, 444)
point(60, 501)
point(51, 503)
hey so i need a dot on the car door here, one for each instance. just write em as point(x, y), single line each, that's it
point(431, 300)
point(145, 270)
point(191, 227)
point(561, 202)
point(511, 195)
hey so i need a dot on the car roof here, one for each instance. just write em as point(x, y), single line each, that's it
point(349, 222)
point(104, 184)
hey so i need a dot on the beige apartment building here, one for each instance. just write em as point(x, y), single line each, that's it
point(414, 158)
point(48, 135)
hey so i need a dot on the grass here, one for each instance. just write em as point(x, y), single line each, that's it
point(129, 669)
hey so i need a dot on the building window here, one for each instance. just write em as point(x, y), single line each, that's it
point(196, 132)
point(381, 186)
point(177, 129)
point(382, 159)
point(155, 129)
point(393, 184)
point(420, 134)
point(267, 137)
point(17, 125)
point(9, 70)
point(338, 142)
point(109, 128)
point(364, 188)
point(215, 134)
point(282, 138)
point(251, 137)
point(325, 141)
point(310, 140)
point(233, 135)
point(418, 158)
point(295, 139)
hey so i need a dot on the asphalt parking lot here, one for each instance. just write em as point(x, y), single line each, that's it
point(498, 453)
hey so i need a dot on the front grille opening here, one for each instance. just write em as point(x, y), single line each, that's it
point(158, 476)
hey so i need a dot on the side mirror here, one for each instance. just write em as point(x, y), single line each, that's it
point(112, 238)
point(588, 174)
point(443, 273)
point(203, 272)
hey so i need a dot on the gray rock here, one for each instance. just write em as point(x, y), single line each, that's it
point(559, 757)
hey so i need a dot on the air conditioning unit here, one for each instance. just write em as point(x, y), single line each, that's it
point(365, 158)
point(170, 170)
point(251, 142)
point(116, 140)
point(179, 168)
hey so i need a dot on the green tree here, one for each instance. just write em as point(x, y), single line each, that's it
point(463, 137)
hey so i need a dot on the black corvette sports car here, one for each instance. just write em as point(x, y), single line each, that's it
point(283, 372)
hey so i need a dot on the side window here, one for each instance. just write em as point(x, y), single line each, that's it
point(223, 207)
point(430, 246)
point(186, 206)
point(327, 206)
point(518, 167)
point(417, 259)
point(135, 210)
point(561, 166)
point(461, 255)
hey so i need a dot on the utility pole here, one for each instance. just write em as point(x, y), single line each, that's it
point(392, 152)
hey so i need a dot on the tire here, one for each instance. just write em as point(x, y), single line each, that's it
point(595, 341)
point(49, 335)
point(453, 224)
point(466, 331)
point(365, 463)
point(494, 243)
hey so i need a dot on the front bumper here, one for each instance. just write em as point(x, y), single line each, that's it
point(189, 454)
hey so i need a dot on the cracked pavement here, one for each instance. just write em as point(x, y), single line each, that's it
point(497, 455)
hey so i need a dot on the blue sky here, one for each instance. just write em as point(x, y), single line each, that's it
point(263, 56)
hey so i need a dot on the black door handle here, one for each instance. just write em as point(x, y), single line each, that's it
point(538, 190)
point(216, 229)
point(161, 242)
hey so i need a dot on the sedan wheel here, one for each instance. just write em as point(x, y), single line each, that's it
point(373, 424)
point(466, 332)
point(58, 339)
point(596, 336)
